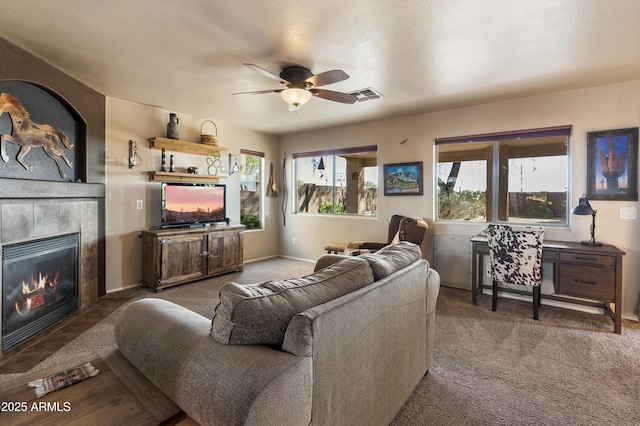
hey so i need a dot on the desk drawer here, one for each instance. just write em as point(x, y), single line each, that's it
point(588, 259)
point(587, 281)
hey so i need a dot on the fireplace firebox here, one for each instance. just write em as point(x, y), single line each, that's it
point(39, 286)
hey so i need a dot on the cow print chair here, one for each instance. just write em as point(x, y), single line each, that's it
point(516, 258)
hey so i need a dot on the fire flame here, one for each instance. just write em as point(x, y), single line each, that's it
point(35, 292)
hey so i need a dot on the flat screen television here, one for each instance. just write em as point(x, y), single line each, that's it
point(193, 204)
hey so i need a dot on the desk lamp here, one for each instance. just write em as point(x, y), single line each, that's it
point(584, 208)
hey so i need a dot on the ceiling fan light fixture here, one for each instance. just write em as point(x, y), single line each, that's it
point(295, 96)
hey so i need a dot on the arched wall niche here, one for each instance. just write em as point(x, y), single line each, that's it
point(43, 136)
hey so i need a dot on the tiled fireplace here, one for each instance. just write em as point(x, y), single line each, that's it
point(43, 206)
point(52, 245)
point(39, 285)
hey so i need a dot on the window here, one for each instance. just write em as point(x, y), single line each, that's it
point(251, 197)
point(505, 177)
point(339, 181)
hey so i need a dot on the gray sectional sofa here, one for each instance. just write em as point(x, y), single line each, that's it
point(345, 345)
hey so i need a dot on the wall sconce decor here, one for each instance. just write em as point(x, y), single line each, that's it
point(233, 169)
point(584, 208)
point(134, 159)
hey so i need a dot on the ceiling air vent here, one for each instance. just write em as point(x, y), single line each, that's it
point(366, 94)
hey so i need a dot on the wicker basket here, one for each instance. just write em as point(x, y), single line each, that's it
point(209, 139)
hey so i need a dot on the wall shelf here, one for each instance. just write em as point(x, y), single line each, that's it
point(183, 177)
point(184, 146)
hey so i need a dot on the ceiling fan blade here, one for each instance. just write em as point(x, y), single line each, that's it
point(327, 77)
point(330, 95)
point(259, 92)
point(266, 73)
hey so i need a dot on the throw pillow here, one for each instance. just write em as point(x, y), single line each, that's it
point(392, 258)
point(260, 313)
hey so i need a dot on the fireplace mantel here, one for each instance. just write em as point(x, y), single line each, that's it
point(21, 189)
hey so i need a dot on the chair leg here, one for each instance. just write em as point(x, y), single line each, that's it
point(494, 302)
point(536, 301)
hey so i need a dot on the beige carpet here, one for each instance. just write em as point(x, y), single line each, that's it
point(504, 368)
point(490, 368)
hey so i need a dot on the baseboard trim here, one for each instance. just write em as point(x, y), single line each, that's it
point(299, 258)
point(124, 288)
point(279, 255)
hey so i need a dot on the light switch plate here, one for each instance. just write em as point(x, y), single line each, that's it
point(628, 213)
point(139, 204)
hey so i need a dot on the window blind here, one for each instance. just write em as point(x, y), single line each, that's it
point(250, 152)
point(338, 151)
point(515, 134)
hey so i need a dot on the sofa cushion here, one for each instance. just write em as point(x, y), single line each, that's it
point(392, 258)
point(260, 313)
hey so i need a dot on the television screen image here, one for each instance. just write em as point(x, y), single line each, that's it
point(185, 204)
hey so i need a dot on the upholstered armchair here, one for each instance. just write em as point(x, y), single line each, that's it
point(516, 258)
point(401, 228)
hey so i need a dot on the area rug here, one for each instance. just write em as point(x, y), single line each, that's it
point(97, 336)
point(30, 354)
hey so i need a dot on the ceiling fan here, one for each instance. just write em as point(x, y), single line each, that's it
point(300, 85)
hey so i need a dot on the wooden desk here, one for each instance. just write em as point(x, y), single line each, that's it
point(592, 274)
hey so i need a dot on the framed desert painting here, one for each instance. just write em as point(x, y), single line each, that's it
point(403, 178)
point(612, 164)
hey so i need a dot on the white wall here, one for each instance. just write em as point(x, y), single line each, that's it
point(127, 120)
point(599, 108)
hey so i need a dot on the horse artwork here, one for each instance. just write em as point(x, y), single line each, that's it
point(28, 135)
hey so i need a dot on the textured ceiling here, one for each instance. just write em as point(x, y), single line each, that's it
point(421, 55)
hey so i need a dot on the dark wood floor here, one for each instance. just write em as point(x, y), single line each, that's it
point(118, 395)
point(27, 355)
point(30, 353)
